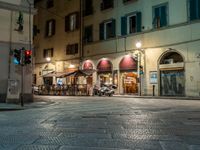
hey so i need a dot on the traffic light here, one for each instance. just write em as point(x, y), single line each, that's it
point(17, 56)
point(27, 57)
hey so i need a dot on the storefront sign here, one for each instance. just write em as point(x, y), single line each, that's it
point(153, 77)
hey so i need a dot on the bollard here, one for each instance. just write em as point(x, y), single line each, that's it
point(153, 90)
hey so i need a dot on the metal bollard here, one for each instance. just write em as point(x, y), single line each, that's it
point(153, 90)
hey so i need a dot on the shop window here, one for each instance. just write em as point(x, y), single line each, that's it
point(88, 34)
point(106, 4)
point(72, 22)
point(131, 23)
point(50, 3)
point(48, 53)
point(72, 49)
point(87, 7)
point(107, 30)
point(160, 16)
point(50, 28)
point(194, 9)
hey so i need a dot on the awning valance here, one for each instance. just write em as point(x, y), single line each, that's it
point(104, 66)
point(128, 63)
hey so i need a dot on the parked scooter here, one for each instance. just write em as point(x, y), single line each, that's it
point(105, 90)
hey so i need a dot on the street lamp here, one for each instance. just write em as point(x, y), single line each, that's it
point(138, 46)
point(48, 59)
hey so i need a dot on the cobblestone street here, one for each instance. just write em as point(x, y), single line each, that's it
point(102, 123)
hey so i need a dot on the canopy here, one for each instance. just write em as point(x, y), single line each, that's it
point(54, 74)
point(104, 66)
point(79, 73)
point(128, 63)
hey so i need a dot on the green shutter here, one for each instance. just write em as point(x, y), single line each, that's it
point(139, 21)
point(123, 25)
point(193, 9)
point(101, 31)
point(156, 16)
point(113, 28)
point(163, 17)
point(198, 5)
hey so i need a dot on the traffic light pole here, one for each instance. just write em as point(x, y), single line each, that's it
point(22, 86)
point(22, 78)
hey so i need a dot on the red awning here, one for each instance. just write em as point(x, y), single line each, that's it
point(87, 65)
point(128, 63)
point(104, 66)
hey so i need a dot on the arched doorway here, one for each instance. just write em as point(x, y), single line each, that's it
point(88, 68)
point(172, 74)
point(128, 74)
point(104, 70)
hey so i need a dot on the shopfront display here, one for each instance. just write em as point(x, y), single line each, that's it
point(130, 83)
point(104, 70)
point(128, 73)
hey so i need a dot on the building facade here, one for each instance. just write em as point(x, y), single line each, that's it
point(57, 39)
point(144, 47)
point(16, 31)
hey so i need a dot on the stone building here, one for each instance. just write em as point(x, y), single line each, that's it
point(16, 32)
point(144, 47)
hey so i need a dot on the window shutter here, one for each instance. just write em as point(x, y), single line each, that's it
point(53, 27)
point(123, 25)
point(139, 21)
point(101, 31)
point(67, 23)
point(44, 53)
point(163, 17)
point(76, 48)
point(156, 16)
point(77, 20)
point(46, 28)
point(113, 28)
point(193, 10)
point(198, 5)
point(52, 52)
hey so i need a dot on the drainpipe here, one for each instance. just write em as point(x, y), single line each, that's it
point(81, 33)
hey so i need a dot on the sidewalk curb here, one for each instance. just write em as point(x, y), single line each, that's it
point(158, 97)
point(18, 107)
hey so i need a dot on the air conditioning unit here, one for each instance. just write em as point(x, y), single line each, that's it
point(168, 61)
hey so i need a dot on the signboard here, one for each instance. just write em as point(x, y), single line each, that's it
point(153, 77)
point(13, 89)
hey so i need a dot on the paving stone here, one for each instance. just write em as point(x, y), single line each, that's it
point(87, 148)
point(166, 145)
point(101, 123)
point(8, 147)
point(38, 147)
point(194, 147)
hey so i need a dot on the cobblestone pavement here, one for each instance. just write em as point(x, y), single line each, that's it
point(101, 123)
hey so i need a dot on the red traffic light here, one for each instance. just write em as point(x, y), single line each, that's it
point(27, 57)
point(28, 52)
